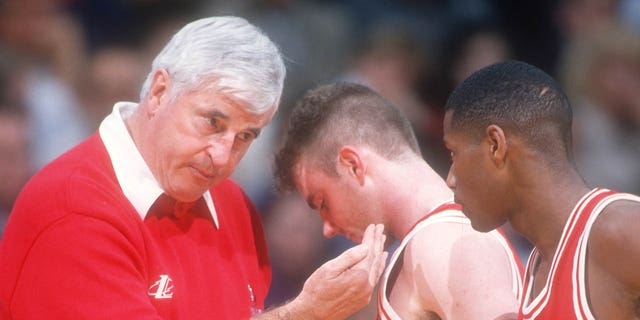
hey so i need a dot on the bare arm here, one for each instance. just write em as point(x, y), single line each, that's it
point(341, 286)
point(615, 243)
point(468, 273)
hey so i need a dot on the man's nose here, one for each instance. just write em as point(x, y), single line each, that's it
point(220, 150)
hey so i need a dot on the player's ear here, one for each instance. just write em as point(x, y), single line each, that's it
point(496, 144)
point(352, 162)
point(158, 90)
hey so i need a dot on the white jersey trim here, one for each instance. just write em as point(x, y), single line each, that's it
point(532, 308)
point(581, 306)
point(580, 297)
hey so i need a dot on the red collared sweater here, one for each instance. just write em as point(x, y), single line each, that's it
point(75, 248)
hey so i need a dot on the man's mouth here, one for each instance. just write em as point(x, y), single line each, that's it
point(206, 174)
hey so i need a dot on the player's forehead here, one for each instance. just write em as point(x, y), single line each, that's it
point(309, 181)
point(303, 173)
point(298, 175)
point(450, 135)
point(457, 134)
point(446, 122)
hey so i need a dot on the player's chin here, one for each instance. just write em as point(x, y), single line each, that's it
point(354, 238)
point(477, 223)
point(482, 226)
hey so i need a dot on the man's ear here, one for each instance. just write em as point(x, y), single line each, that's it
point(350, 159)
point(159, 90)
point(497, 144)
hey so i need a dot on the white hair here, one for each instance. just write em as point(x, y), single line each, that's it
point(234, 56)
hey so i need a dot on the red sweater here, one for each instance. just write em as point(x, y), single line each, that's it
point(75, 248)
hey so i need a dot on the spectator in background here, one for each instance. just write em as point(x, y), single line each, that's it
point(53, 43)
point(629, 11)
point(14, 156)
point(296, 246)
point(114, 73)
point(15, 165)
point(581, 18)
point(602, 75)
point(473, 47)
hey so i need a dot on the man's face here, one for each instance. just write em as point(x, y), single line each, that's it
point(338, 200)
point(195, 141)
point(472, 177)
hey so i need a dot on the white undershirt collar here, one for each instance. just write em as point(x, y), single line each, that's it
point(134, 176)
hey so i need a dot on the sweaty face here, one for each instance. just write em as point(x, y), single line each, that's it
point(336, 199)
point(196, 140)
point(473, 178)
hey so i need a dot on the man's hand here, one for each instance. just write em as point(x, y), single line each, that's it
point(341, 286)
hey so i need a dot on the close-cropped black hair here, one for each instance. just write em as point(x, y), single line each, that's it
point(518, 97)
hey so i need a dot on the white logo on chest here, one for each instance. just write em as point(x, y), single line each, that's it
point(163, 288)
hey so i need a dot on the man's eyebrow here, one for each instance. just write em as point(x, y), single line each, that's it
point(255, 131)
point(224, 116)
point(217, 114)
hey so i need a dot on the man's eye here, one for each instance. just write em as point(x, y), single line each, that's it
point(245, 136)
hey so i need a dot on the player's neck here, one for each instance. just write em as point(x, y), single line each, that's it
point(545, 209)
point(422, 191)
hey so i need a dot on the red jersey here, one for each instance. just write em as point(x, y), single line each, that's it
point(564, 295)
point(76, 248)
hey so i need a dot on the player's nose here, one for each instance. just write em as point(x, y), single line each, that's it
point(327, 230)
point(451, 178)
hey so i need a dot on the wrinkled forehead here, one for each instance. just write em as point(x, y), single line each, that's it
point(244, 98)
point(243, 110)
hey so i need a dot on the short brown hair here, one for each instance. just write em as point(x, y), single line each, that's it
point(334, 115)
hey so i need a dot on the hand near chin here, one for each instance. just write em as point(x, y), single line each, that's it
point(345, 284)
point(341, 286)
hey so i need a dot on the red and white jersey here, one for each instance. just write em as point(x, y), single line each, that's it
point(564, 294)
point(448, 212)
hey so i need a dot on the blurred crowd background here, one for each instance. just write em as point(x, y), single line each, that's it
point(64, 63)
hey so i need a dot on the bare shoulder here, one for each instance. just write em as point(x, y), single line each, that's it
point(614, 241)
point(444, 239)
point(456, 250)
point(435, 241)
point(460, 267)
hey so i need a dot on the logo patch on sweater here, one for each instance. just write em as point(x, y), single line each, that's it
point(163, 288)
